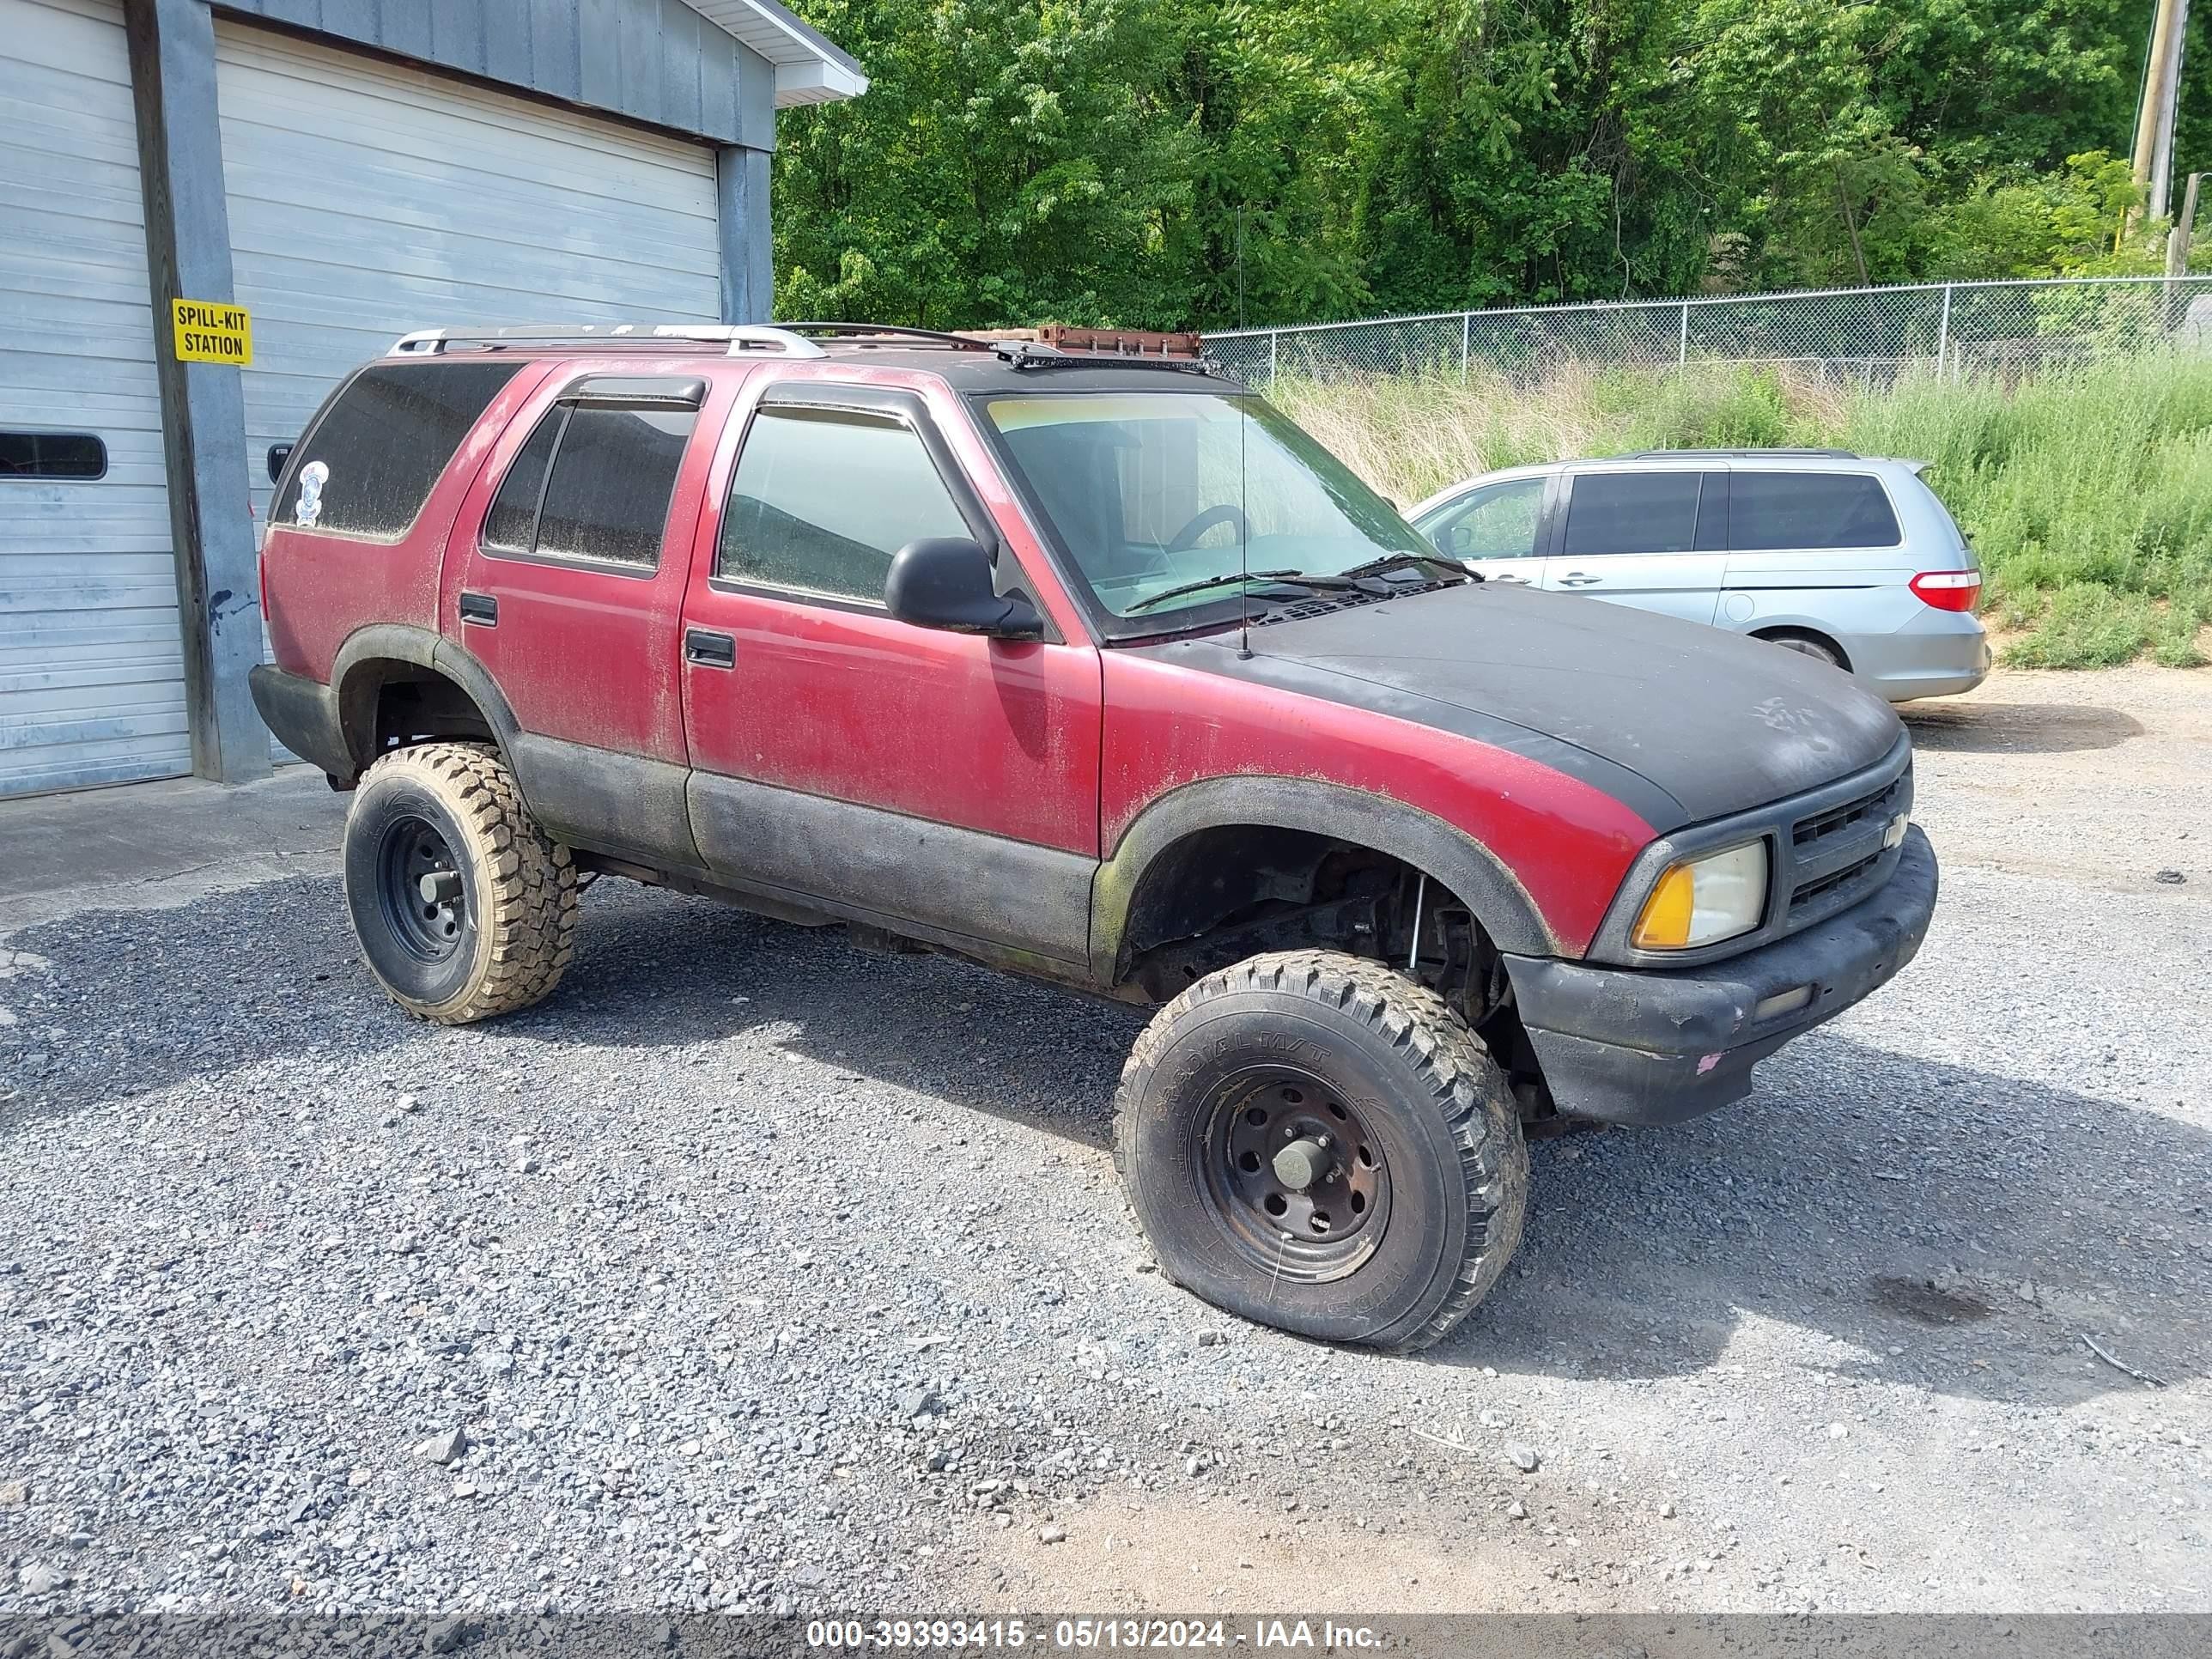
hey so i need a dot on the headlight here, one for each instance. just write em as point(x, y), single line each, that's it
point(1704, 900)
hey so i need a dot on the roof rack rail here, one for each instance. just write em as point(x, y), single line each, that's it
point(889, 333)
point(1748, 450)
point(736, 339)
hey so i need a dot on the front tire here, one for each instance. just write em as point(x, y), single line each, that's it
point(464, 908)
point(1312, 1141)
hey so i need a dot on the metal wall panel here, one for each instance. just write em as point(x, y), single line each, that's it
point(646, 59)
point(91, 668)
point(368, 200)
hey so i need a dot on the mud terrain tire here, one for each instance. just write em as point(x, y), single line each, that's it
point(464, 908)
point(1380, 1104)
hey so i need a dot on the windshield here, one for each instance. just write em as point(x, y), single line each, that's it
point(1149, 492)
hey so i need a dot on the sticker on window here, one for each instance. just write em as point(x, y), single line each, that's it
point(308, 507)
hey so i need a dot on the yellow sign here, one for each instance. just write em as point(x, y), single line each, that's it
point(211, 333)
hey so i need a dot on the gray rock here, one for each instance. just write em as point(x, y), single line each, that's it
point(38, 1578)
point(1052, 1533)
point(446, 1447)
point(1522, 1458)
point(919, 1402)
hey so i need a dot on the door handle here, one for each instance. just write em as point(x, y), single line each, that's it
point(1516, 581)
point(709, 649)
point(482, 609)
point(1576, 578)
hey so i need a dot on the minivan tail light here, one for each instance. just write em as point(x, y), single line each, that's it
point(1949, 590)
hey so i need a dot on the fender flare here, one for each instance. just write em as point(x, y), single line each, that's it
point(1473, 874)
point(423, 648)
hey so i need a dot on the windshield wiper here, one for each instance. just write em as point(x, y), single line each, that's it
point(1407, 561)
point(1223, 581)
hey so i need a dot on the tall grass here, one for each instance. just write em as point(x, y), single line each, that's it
point(2086, 491)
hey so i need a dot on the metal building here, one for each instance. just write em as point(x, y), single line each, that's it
point(340, 171)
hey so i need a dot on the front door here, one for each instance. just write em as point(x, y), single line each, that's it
point(1494, 530)
point(1655, 539)
point(942, 784)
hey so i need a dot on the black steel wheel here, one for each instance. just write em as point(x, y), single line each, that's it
point(1294, 1175)
point(464, 907)
point(1313, 1141)
point(420, 887)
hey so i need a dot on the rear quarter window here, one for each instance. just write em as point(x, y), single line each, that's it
point(369, 463)
point(1797, 511)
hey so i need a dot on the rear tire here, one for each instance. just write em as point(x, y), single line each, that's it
point(1813, 645)
point(1312, 1141)
point(464, 908)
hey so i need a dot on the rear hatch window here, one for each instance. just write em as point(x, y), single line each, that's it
point(368, 464)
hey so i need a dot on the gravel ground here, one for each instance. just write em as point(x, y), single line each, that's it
point(756, 1272)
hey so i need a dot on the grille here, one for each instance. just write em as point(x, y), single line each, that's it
point(1812, 892)
point(1838, 854)
point(1837, 820)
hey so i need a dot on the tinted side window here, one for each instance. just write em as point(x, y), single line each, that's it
point(613, 477)
point(594, 482)
point(1496, 522)
point(511, 527)
point(75, 455)
point(1810, 510)
point(1632, 512)
point(822, 497)
point(383, 442)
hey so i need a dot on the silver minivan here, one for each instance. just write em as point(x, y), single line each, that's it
point(1849, 558)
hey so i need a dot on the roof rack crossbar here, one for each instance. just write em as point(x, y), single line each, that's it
point(735, 338)
point(890, 331)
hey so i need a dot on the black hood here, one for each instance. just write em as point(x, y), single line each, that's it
point(1714, 722)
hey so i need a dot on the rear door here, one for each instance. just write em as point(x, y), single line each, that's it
point(944, 783)
point(571, 556)
point(1795, 537)
point(1496, 529)
point(1656, 538)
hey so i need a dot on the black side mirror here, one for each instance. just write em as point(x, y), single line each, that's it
point(944, 582)
point(278, 454)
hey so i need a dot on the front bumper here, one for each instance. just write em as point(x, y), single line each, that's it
point(1633, 1045)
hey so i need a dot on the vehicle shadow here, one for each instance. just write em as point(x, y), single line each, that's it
point(129, 1002)
point(1980, 1223)
point(1952, 1227)
point(1966, 727)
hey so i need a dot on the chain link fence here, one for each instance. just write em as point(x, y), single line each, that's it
point(1956, 328)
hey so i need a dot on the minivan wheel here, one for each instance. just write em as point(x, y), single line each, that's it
point(1312, 1141)
point(464, 908)
point(1810, 645)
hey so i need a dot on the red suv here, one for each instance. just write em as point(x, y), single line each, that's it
point(1094, 668)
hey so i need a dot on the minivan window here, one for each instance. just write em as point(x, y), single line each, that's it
point(384, 441)
point(822, 497)
point(1632, 512)
point(1799, 510)
point(77, 456)
point(593, 482)
point(1497, 521)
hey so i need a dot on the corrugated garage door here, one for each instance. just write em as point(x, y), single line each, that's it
point(91, 672)
point(368, 200)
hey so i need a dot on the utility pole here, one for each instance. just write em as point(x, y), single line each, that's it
point(2161, 166)
point(2177, 240)
point(2161, 75)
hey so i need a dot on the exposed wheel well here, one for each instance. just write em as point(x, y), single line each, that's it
point(387, 704)
point(1220, 894)
point(1826, 642)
